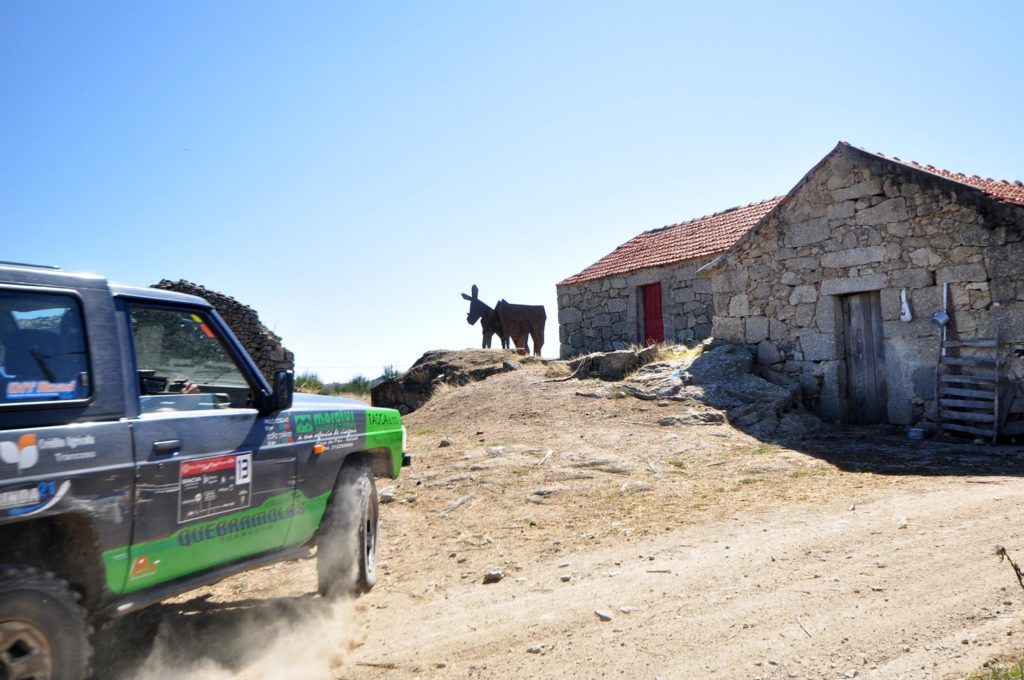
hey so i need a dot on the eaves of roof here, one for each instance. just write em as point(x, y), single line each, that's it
point(698, 238)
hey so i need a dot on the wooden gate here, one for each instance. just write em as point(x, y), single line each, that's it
point(654, 325)
point(967, 387)
point(865, 359)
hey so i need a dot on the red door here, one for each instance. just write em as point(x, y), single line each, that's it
point(654, 327)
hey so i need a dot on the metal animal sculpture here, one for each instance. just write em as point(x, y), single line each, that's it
point(506, 320)
point(490, 324)
point(518, 321)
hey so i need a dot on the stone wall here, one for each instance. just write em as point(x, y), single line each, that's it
point(262, 345)
point(606, 314)
point(859, 223)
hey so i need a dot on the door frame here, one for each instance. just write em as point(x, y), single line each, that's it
point(651, 292)
point(867, 389)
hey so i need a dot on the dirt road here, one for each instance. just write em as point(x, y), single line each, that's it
point(847, 553)
point(803, 591)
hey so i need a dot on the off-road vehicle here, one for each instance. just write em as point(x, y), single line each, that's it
point(143, 454)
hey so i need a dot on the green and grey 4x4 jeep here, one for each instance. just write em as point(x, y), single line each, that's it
point(143, 454)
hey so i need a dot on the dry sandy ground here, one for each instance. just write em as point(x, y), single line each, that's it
point(852, 553)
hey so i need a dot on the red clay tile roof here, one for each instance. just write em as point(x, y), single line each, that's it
point(999, 189)
point(714, 234)
point(701, 237)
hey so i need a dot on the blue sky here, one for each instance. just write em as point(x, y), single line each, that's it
point(349, 169)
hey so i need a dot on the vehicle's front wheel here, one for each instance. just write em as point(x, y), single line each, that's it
point(44, 634)
point(347, 546)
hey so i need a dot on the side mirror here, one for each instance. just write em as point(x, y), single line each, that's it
point(281, 398)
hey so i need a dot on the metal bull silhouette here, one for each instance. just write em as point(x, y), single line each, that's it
point(508, 321)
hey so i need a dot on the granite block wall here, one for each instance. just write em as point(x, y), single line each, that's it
point(606, 314)
point(858, 223)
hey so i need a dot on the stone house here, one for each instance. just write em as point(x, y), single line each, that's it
point(648, 290)
point(837, 284)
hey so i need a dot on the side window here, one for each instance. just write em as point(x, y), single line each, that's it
point(42, 348)
point(182, 363)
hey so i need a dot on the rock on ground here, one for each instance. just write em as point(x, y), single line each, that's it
point(612, 365)
point(410, 390)
point(723, 379)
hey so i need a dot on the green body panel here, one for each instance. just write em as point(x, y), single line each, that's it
point(284, 520)
point(291, 517)
point(384, 430)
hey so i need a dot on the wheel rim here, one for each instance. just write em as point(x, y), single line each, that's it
point(24, 652)
point(370, 542)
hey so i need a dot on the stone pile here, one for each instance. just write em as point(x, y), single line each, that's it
point(724, 378)
point(614, 365)
point(262, 345)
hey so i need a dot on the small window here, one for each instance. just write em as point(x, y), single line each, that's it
point(183, 365)
point(42, 348)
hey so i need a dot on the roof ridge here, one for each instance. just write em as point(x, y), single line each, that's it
point(707, 235)
point(939, 172)
point(719, 231)
point(710, 215)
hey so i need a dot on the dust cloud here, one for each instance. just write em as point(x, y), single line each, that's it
point(308, 638)
point(232, 631)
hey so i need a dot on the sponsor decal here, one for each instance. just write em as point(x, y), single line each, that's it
point(239, 526)
point(243, 468)
point(202, 326)
point(278, 431)
point(335, 429)
point(324, 423)
point(24, 453)
point(383, 419)
point(213, 486)
point(78, 455)
point(30, 500)
point(71, 442)
point(143, 566)
point(36, 389)
point(341, 444)
point(290, 518)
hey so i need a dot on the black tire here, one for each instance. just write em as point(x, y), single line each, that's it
point(346, 563)
point(44, 634)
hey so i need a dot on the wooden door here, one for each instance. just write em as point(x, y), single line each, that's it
point(654, 326)
point(865, 359)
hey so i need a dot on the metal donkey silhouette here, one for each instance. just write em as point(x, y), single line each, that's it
point(508, 321)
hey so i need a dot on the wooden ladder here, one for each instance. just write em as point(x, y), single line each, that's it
point(967, 387)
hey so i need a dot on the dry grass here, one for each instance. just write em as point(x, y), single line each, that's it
point(441, 389)
point(556, 369)
point(1014, 671)
point(679, 353)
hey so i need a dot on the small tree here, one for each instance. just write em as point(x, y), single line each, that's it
point(309, 382)
point(358, 385)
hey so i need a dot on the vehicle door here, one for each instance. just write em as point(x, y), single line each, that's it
point(63, 450)
point(215, 480)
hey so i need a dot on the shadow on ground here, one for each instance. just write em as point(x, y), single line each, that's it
point(886, 450)
point(726, 378)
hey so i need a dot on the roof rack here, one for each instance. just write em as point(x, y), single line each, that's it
point(29, 266)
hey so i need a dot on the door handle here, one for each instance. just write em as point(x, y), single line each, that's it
point(168, 446)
